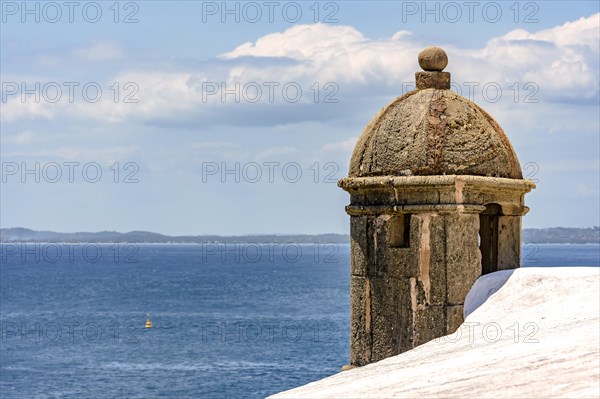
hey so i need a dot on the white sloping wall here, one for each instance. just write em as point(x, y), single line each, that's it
point(529, 333)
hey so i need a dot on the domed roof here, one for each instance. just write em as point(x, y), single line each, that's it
point(433, 131)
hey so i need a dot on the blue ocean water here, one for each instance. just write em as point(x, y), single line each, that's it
point(235, 321)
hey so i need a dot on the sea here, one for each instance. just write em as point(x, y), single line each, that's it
point(228, 321)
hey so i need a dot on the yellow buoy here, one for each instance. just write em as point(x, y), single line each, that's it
point(148, 322)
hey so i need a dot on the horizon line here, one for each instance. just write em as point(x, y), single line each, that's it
point(243, 234)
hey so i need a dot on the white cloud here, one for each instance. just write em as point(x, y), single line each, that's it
point(345, 146)
point(105, 155)
point(100, 51)
point(302, 42)
point(561, 61)
point(277, 154)
point(213, 145)
point(570, 165)
point(331, 53)
point(584, 190)
point(21, 138)
point(13, 109)
point(583, 31)
point(24, 137)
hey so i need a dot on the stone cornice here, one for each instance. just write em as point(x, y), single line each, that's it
point(438, 181)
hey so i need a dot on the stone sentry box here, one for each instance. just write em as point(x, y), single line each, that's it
point(436, 200)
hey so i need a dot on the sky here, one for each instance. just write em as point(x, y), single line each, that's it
point(190, 117)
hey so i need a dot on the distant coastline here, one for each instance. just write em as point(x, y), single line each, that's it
point(20, 234)
point(553, 235)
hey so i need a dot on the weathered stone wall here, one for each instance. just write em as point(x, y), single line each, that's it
point(404, 297)
point(509, 242)
point(408, 290)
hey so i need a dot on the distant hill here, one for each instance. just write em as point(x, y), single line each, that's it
point(19, 234)
point(553, 235)
point(562, 235)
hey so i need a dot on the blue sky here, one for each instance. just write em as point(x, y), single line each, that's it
point(189, 118)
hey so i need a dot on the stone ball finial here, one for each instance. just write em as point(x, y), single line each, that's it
point(433, 59)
